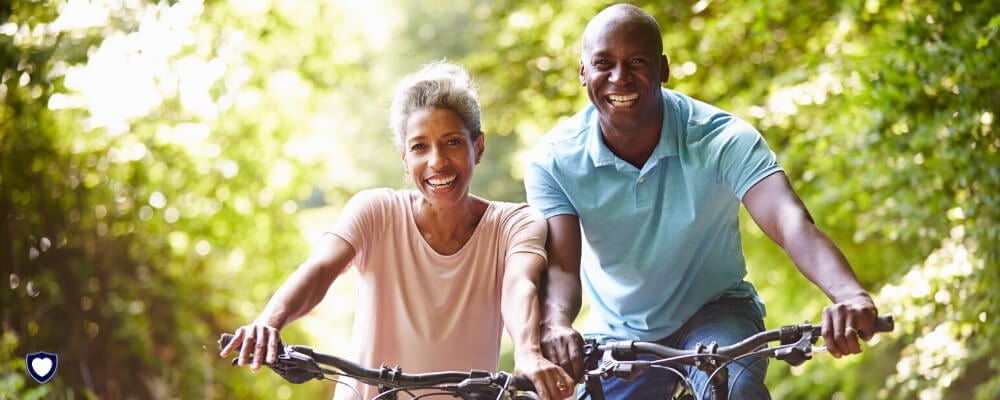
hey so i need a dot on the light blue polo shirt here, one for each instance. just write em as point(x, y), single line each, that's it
point(663, 240)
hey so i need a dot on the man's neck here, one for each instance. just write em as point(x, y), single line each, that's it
point(634, 145)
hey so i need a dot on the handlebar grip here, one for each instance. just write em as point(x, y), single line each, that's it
point(523, 384)
point(224, 340)
point(885, 323)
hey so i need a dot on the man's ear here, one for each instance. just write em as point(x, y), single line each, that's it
point(480, 146)
point(583, 75)
point(665, 69)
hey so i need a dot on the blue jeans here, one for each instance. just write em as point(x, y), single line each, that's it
point(726, 321)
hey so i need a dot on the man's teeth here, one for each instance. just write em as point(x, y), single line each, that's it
point(441, 181)
point(622, 99)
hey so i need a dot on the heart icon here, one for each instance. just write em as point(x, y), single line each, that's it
point(41, 366)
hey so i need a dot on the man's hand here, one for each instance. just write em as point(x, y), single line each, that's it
point(846, 322)
point(261, 341)
point(563, 345)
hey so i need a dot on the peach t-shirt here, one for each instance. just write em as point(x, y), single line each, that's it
point(422, 310)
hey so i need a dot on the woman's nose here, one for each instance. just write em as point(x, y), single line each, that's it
point(437, 159)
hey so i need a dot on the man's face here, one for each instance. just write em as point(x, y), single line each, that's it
point(622, 68)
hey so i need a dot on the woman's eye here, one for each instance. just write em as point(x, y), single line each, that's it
point(454, 142)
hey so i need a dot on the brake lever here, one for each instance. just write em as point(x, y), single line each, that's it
point(798, 353)
point(294, 363)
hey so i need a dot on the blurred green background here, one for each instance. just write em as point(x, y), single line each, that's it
point(165, 165)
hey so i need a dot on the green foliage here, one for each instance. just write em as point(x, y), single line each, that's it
point(883, 116)
point(149, 182)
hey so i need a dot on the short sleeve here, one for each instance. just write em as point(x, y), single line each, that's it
point(527, 231)
point(541, 187)
point(359, 220)
point(744, 157)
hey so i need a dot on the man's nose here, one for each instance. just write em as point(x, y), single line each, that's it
point(619, 74)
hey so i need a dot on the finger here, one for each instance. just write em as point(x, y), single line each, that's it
point(557, 385)
point(538, 379)
point(234, 343)
point(547, 389)
point(833, 331)
point(559, 389)
point(550, 351)
point(866, 323)
point(247, 348)
point(258, 347)
point(565, 357)
point(851, 336)
point(866, 334)
point(576, 357)
point(272, 346)
point(564, 384)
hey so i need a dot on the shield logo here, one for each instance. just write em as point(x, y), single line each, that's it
point(42, 365)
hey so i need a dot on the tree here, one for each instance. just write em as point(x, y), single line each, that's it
point(153, 158)
point(883, 115)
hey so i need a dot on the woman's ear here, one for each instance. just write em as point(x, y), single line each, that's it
point(480, 146)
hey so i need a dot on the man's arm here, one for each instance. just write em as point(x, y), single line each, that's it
point(303, 290)
point(562, 295)
point(780, 213)
point(522, 317)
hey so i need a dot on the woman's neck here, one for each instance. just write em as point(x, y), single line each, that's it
point(447, 229)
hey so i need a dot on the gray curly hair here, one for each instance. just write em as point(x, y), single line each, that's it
point(438, 84)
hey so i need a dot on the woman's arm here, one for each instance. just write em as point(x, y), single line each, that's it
point(774, 206)
point(562, 295)
point(303, 290)
point(522, 316)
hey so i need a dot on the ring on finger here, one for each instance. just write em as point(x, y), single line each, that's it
point(851, 331)
point(561, 386)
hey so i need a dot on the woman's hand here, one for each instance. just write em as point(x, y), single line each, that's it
point(550, 381)
point(261, 343)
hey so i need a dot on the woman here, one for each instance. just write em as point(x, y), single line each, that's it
point(432, 262)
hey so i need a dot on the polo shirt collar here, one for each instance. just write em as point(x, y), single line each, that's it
point(666, 147)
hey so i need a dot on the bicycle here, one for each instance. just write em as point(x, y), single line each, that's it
point(618, 358)
point(299, 364)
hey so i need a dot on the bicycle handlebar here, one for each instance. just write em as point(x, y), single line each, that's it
point(786, 335)
point(298, 364)
point(796, 347)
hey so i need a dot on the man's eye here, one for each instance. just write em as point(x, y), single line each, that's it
point(418, 146)
point(454, 142)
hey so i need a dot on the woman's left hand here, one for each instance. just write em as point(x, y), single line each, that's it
point(550, 380)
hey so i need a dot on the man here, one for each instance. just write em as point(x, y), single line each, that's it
point(641, 191)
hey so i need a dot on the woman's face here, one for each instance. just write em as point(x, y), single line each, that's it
point(439, 155)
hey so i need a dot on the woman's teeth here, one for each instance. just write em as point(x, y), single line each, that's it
point(439, 182)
